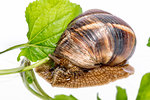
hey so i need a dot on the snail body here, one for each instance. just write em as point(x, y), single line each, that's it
point(93, 41)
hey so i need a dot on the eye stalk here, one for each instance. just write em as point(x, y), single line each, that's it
point(56, 60)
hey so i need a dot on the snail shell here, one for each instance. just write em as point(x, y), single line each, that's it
point(96, 38)
point(93, 50)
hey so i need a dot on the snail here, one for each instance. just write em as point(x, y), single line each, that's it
point(93, 50)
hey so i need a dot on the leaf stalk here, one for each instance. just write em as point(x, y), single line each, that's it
point(14, 47)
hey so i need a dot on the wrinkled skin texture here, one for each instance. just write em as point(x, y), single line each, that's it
point(76, 78)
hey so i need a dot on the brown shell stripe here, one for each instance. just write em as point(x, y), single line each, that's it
point(121, 37)
point(89, 30)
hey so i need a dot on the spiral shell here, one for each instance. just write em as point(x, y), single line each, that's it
point(96, 38)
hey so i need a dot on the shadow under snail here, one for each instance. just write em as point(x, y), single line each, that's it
point(93, 50)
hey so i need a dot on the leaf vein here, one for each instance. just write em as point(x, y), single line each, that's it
point(48, 38)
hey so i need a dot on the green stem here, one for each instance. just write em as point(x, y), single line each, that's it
point(35, 85)
point(38, 86)
point(10, 71)
point(14, 47)
point(36, 64)
point(22, 69)
point(30, 89)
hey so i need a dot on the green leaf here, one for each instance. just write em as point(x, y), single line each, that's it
point(148, 44)
point(64, 97)
point(121, 94)
point(98, 98)
point(144, 90)
point(47, 20)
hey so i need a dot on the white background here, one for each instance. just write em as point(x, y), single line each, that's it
point(13, 29)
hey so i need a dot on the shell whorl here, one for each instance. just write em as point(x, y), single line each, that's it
point(96, 37)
